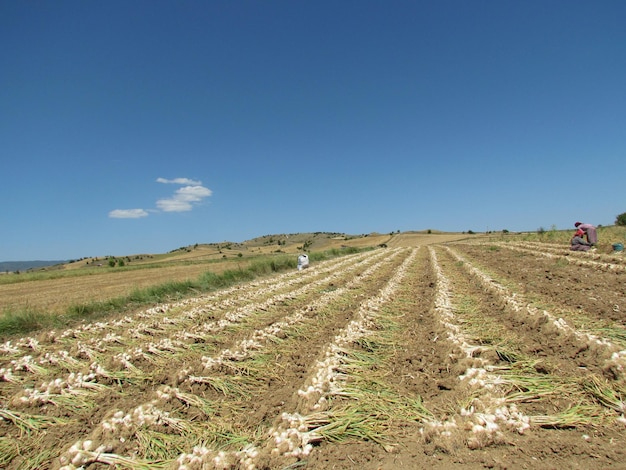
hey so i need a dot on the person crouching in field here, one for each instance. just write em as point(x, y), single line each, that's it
point(578, 243)
point(589, 231)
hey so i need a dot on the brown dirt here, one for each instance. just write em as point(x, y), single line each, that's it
point(497, 298)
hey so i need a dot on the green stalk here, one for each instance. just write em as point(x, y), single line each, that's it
point(575, 416)
point(29, 423)
point(605, 394)
point(9, 449)
point(158, 446)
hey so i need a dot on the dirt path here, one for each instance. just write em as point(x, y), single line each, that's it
point(415, 356)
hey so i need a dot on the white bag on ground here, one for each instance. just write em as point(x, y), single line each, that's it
point(303, 262)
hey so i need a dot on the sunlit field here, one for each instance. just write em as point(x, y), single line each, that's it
point(491, 351)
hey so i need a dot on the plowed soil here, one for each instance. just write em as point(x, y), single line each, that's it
point(417, 356)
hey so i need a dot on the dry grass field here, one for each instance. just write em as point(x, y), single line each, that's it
point(55, 295)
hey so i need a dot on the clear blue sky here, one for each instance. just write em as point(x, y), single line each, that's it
point(143, 126)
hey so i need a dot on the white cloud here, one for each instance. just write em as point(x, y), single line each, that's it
point(127, 213)
point(173, 205)
point(183, 200)
point(179, 181)
point(193, 193)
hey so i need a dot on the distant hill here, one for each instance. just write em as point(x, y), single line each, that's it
point(13, 266)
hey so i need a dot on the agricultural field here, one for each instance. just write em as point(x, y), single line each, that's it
point(55, 289)
point(428, 353)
